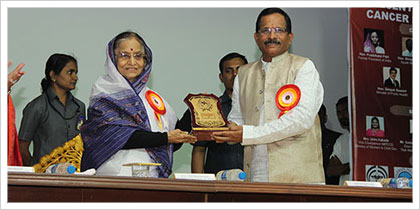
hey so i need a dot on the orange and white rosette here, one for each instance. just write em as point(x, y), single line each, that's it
point(287, 98)
point(157, 104)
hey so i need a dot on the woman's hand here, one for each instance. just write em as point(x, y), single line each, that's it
point(178, 136)
point(15, 75)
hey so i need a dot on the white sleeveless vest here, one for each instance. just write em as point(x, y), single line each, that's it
point(296, 159)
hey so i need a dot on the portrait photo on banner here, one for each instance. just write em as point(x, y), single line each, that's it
point(374, 41)
point(407, 46)
point(391, 77)
point(375, 126)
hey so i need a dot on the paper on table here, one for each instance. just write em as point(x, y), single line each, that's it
point(144, 164)
point(28, 169)
point(91, 171)
point(362, 184)
point(195, 176)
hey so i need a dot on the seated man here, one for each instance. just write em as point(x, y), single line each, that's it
point(339, 165)
point(329, 138)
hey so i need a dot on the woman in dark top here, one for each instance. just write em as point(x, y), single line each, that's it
point(54, 117)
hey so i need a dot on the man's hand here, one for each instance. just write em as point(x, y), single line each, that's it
point(336, 168)
point(335, 161)
point(234, 134)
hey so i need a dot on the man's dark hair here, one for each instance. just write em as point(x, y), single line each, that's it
point(322, 110)
point(409, 44)
point(230, 56)
point(322, 113)
point(393, 69)
point(272, 10)
point(343, 100)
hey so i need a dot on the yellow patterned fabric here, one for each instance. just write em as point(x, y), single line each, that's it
point(69, 152)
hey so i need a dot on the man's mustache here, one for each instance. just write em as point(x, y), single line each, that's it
point(272, 41)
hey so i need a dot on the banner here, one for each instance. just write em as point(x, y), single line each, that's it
point(381, 92)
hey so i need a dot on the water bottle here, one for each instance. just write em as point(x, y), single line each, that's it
point(231, 175)
point(61, 168)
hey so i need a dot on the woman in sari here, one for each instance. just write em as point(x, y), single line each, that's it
point(13, 153)
point(368, 46)
point(128, 122)
point(372, 43)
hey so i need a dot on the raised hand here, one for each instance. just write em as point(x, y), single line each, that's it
point(15, 75)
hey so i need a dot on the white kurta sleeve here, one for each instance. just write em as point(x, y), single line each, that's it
point(235, 114)
point(296, 121)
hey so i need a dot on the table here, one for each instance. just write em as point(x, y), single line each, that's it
point(31, 187)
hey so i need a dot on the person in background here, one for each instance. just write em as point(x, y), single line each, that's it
point(13, 152)
point(328, 140)
point(128, 122)
point(278, 148)
point(55, 116)
point(219, 156)
point(339, 165)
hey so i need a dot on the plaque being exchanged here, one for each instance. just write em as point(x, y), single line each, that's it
point(206, 115)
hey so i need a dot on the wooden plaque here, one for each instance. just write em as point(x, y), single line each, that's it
point(206, 115)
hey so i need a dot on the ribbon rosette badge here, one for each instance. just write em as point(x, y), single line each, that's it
point(287, 97)
point(157, 104)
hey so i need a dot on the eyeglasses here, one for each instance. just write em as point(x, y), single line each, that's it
point(124, 56)
point(277, 30)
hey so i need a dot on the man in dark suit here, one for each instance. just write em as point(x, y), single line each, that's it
point(391, 81)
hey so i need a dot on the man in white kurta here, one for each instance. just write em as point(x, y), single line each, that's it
point(342, 152)
point(341, 157)
point(286, 149)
